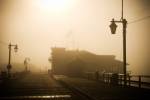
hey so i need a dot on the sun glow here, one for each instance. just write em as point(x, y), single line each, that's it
point(55, 5)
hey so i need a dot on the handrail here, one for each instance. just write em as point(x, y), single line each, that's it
point(108, 78)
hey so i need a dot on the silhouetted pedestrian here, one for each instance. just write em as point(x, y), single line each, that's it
point(97, 75)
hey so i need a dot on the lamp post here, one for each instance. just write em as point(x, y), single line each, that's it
point(113, 27)
point(9, 60)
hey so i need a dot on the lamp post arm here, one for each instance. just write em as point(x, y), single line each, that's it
point(13, 45)
point(116, 21)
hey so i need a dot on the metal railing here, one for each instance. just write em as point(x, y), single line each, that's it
point(141, 81)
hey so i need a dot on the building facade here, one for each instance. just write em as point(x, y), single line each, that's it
point(76, 63)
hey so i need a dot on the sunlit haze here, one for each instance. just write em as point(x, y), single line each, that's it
point(37, 25)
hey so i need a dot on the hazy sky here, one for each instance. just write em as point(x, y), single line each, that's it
point(38, 25)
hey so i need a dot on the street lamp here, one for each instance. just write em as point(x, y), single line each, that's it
point(9, 60)
point(113, 27)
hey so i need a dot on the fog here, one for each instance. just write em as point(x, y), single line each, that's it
point(37, 25)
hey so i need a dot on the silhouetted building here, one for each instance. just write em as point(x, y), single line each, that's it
point(76, 63)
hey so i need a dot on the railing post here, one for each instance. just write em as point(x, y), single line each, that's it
point(110, 76)
point(129, 80)
point(122, 80)
point(139, 81)
point(119, 80)
point(107, 78)
point(104, 77)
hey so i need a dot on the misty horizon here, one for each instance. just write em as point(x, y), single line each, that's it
point(36, 27)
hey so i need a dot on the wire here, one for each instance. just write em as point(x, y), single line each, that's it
point(138, 20)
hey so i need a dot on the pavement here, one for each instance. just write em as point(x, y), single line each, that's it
point(101, 91)
point(33, 85)
point(41, 85)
